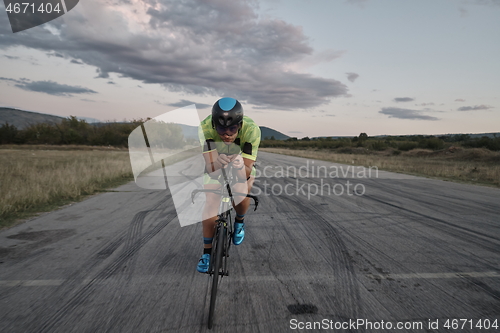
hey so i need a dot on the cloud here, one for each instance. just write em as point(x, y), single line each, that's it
point(74, 61)
point(405, 114)
point(352, 76)
point(474, 108)
point(10, 80)
point(357, 2)
point(55, 54)
point(54, 88)
point(460, 100)
point(184, 102)
point(487, 2)
point(314, 59)
point(403, 99)
point(463, 12)
point(10, 57)
point(425, 104)
point(213, 47)
point(274, 107)
point(49, 87)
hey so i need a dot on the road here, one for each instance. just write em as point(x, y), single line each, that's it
point(391, 250)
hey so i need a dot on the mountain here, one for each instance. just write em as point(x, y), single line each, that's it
point(472, 135)
point(90, 120)
point(22, 119)
point(480, 135)
point(191, 132)
point(266, 132)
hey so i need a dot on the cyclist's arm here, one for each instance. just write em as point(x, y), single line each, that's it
point(212, 163)
point(248, 166)
point(250, 147)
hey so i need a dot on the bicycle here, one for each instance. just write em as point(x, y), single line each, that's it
point(223, 234)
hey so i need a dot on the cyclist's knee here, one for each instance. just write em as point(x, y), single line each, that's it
point(212, 199)
point(209, 220)
point(211, 206)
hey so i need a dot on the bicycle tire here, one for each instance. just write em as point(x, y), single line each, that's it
point(219, 246)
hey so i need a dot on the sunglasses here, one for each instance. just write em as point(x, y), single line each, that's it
point(229, 130)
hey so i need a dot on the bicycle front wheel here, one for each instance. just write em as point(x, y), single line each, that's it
point(216, 276)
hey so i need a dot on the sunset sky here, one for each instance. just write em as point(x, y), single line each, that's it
point(302, 67)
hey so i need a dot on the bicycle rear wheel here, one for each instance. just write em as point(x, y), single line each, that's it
point(217, 250)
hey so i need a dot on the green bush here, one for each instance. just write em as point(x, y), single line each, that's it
point(8, 134)
point(41, 133)
point(406, 146)
point(431, 143)
point(483, 142)
point(378, 145)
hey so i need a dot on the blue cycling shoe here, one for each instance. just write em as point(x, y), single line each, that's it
point(204, 263)
point(239, 233)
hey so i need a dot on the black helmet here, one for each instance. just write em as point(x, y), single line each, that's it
point(227, 112)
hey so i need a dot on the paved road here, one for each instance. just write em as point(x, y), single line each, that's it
point(391, 248)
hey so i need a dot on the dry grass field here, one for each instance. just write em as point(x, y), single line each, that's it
point(475, 165)
point(40, 178)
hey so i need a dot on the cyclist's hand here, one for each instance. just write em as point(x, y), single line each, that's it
point(238, 163)
point(223, 160)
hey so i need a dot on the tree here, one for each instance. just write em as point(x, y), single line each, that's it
point(8, 133)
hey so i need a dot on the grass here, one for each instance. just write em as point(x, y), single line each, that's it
point(35, 179)
point(475, 165)
point(41, 178)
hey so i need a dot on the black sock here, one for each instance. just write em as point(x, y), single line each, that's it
point(207, 251)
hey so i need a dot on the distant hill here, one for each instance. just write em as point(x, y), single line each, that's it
point(266, 132)
point(90, 120)
point(192, 132)
point(476, 135)
point(189, 132)
point(472, 135)
point(22, 119)
point(480, 135)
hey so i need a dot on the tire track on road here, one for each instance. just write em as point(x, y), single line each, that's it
point(339, 259)
point(133, 247)
point(480, 239)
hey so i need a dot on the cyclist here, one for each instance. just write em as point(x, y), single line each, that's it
point(225, 133)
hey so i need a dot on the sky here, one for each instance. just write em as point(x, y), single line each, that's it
point(302, 67)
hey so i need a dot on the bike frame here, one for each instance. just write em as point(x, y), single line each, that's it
point(224, 224)
point(223, 234)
